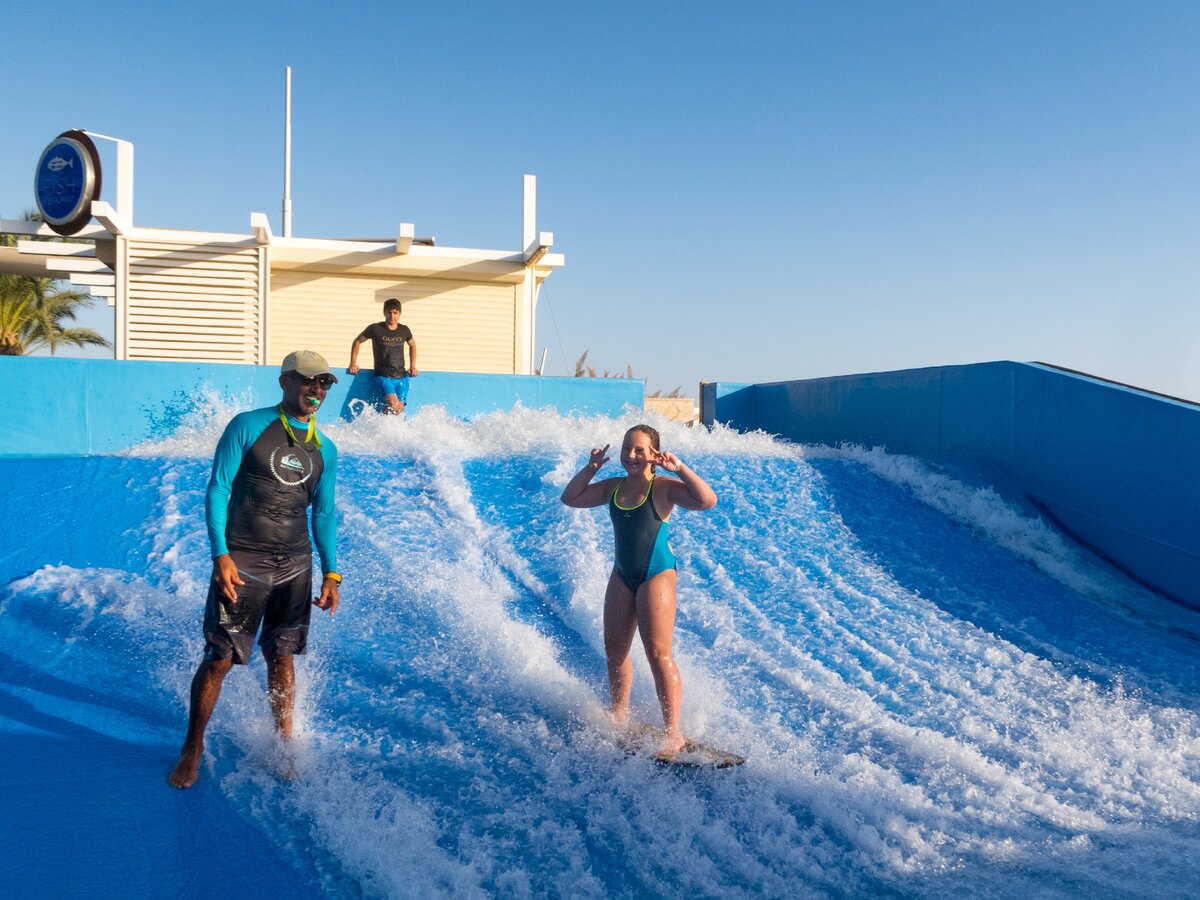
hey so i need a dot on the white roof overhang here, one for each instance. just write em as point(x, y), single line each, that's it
point(357, 258)
point(400, 258)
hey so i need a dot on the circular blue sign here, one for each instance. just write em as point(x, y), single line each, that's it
point(67, 181)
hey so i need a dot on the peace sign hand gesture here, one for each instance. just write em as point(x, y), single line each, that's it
point(599, 457)
point(668, 461)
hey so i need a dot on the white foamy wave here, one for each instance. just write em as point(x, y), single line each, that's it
point(199, 422)
point(945, 743)
point(525, 430)
point(981, 508)
point(203, 417)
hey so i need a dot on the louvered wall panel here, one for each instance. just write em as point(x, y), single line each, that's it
point(193, 302)
point(457, 327)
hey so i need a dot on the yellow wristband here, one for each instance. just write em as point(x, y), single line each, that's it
point(334, 577)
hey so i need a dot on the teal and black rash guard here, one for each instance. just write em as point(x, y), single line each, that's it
point(263, 481)
point(640, 535)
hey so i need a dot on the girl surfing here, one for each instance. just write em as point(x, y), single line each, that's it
point(641, 589)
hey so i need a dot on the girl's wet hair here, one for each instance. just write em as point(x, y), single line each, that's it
point(649, 432)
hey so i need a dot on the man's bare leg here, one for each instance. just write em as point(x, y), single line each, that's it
point(281, 689)
point(206, 688)
point(395, 406)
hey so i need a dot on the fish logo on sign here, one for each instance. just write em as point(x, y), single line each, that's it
point(67, 182)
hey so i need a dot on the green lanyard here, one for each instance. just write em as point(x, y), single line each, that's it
point(311, 438)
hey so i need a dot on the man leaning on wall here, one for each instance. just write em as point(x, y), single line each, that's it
point(388, 340)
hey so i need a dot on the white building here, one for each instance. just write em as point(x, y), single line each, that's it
point(253, 297)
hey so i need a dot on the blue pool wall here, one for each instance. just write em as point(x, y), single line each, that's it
point(77, 407)
point(1118, 468)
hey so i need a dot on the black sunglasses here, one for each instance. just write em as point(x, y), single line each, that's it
point(325, 381)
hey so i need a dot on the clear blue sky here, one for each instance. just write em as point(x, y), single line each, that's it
point(744, 192)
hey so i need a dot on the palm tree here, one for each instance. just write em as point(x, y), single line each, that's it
point(16, 318)
point(34, 312)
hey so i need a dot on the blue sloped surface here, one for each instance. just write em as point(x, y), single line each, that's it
point(937, 694)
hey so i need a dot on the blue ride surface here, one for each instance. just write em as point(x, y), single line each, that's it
point(938, 695)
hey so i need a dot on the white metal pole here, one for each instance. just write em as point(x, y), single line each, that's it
point(287, 154)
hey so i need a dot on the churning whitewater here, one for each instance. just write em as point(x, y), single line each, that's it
point(936, 692)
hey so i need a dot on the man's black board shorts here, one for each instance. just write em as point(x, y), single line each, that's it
point(277, 595)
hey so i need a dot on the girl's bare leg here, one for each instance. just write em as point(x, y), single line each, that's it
point(656, 621)
point(620, 623)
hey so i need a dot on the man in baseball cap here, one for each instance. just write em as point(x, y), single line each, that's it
point(308, 363)
point(270, 465)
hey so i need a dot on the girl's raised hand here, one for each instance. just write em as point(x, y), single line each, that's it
point(668, 461)
point(599, 457)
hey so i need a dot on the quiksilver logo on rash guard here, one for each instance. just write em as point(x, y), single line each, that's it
point(290, 465)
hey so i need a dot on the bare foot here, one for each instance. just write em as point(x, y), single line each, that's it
point(287, 768)
point(186, 771)
point(673, 742)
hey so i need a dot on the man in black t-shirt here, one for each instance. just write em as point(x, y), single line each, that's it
point(387, 344)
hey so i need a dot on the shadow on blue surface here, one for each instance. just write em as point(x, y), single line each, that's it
point(89, 816)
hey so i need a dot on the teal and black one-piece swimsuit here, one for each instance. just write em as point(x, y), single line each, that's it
point(640, 535)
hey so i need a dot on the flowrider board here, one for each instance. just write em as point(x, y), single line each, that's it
point(695, 754)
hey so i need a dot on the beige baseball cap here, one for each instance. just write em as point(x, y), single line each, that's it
point(306, 362)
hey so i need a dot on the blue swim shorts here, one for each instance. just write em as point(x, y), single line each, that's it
point(397, 386)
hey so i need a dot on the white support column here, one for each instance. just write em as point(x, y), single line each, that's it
point(121, 297)
point(264, 302)
point(525, 343)
point(260, 224)
point(535, 292)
